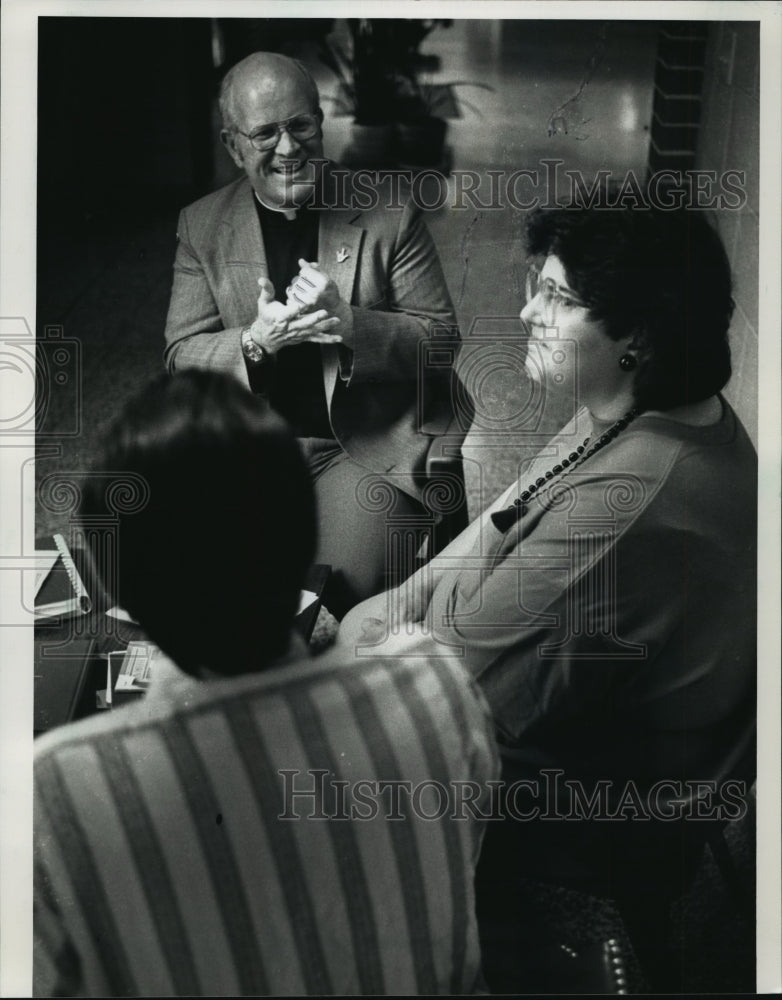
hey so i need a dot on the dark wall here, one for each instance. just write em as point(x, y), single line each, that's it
point(729, 139)
point(124, 109)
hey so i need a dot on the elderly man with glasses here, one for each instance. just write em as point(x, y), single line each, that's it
point(283, 279)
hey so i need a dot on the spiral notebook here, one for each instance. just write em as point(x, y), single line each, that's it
point(59, 588)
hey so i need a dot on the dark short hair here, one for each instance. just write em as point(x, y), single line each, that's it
point(660, 276)
point(212, 561)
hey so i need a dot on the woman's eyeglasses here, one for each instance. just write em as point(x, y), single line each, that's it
point(300, 128)
point(552, 295)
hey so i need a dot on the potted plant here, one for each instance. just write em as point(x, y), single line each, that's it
point(367, 90)
point(422, 108)
point(398, 119)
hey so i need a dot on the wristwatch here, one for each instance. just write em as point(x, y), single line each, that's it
point(252, 351)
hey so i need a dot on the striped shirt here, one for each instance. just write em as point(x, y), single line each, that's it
point(297, 831)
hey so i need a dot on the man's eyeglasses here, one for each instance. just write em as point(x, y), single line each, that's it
point(300, 128)
point(552, 295)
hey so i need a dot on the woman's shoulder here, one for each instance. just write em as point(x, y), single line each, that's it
point(722, 445)
point(694, 474)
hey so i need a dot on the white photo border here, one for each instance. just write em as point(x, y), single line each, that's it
point(17, 309)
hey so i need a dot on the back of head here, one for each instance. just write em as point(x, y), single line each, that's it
point(212, 562)
point(659, 276)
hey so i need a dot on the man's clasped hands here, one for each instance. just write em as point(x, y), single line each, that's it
point(313, 312)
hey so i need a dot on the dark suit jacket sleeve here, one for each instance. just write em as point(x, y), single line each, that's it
point(386, 337)
point(195, 335)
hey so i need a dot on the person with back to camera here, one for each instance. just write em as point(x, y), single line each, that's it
point(229, 835)
point(319, 300)
point(606, 601)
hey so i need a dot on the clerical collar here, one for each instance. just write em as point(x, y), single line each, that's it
point(290, 214)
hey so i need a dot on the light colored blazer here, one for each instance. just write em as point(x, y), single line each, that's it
point(386, 399)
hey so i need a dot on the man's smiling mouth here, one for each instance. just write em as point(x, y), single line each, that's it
point(289, 168)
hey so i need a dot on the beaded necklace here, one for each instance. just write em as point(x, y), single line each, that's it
point(506, 518)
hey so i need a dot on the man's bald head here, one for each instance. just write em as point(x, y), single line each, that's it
point(258, 74)
point(267, 91)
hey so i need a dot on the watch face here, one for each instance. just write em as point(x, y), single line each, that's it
point(250, 349)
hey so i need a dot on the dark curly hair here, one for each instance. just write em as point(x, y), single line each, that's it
point(661, 277)
point(211, 564)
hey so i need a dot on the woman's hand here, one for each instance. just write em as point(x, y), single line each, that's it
point(392, 613)
point(366, 622)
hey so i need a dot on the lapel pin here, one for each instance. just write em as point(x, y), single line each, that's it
point(342, 255)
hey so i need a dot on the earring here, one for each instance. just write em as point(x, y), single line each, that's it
point(628, 362)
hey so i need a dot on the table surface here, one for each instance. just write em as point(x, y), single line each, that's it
point(70, 652)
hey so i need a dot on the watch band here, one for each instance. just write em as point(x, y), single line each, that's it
point(252, 351)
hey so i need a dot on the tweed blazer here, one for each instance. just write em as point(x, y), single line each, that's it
point(386, 400)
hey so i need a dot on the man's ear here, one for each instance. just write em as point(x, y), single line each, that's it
point(228, 139)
